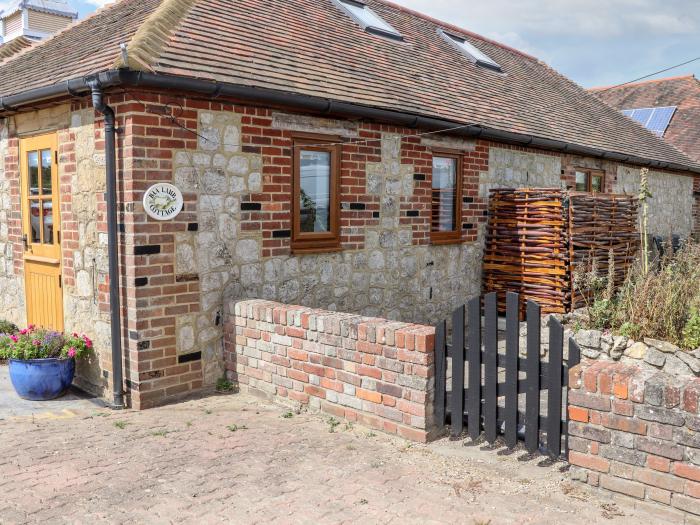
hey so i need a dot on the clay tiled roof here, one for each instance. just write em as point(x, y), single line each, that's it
point(312, 47)
point(13, 47)
point(684, 92)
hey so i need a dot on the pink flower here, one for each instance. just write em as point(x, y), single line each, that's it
point(14, 338)
point(36, 342)
point(87, 340)
point(23, 332)
point(31, 327)
point(72, 351)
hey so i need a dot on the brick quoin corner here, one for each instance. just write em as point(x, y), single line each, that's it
point(376, 372)
point(636, 432)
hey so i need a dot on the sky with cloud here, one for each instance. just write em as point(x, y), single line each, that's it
point(594, 42)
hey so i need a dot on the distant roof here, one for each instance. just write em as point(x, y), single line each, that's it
point(683, 92)
point(14, 46)
point(57, 7)
point(313, 47)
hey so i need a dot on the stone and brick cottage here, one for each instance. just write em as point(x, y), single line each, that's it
point(329, 153)
point(669, 106)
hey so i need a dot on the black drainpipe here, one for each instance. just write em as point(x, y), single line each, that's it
point(112, 239)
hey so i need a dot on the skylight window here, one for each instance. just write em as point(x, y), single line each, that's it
point(470, 51)
point(654, 119)
point(368, 19)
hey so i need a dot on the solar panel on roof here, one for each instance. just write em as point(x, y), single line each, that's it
point(660, 120)
point(654, 119)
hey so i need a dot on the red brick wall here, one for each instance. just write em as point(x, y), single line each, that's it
point(636, 432)
point(153, 296)
point(376, 372)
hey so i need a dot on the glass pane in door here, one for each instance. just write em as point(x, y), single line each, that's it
point(35, 220)
point(46, 171)
point(47, 216)
point(33, 170)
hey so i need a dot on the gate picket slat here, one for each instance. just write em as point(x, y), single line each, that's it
point(532, 400)
point(457, 405)
point(554, 393)
point(474, 360)
point(574, 354)
point(511, 385)
point(490, 367)
point(573, 359)
point(440, 372)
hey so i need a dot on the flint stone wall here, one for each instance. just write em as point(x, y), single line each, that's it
point(671, 204)
point(650, 353)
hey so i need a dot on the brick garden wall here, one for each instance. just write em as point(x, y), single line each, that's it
point(373, 371)
point(636, 431)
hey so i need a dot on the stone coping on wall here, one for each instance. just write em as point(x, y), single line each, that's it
point(650, 353)
point(636, 431)
point(376, 372)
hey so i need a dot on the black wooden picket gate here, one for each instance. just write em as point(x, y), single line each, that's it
point(479, 404)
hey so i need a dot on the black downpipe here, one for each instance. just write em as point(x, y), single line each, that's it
point(112, 239)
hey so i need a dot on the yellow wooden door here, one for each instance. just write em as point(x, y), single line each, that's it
point(41, 228)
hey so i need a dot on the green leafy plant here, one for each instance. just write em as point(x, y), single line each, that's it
point(643, 197)
point(36, 343)
point(630, 330)
point(691, 330)
point(224, 385)
point(333, 424)
point(601, 313)
point(6, 327)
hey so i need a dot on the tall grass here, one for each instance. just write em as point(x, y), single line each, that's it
point(663, 303)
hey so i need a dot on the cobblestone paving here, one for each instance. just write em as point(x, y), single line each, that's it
point(235, 459)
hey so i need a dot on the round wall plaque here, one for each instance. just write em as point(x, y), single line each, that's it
point(163, 201)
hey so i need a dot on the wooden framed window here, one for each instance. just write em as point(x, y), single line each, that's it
point(446, 211)
point(591, 181)
point(315, 193)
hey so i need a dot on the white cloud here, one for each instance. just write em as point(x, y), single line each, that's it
point(594, 18)
point(593, 41)
point(99, 3)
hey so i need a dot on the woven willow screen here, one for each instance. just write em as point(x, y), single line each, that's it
point(538, 238)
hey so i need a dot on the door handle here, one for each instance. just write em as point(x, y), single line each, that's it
point(26, 243)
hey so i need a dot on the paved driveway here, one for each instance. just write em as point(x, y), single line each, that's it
point(233, 459)
point(11, 405)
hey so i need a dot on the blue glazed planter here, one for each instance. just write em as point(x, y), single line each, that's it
point(41, 379)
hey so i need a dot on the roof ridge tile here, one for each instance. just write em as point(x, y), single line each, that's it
point(641, 82)
point(145, 46)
